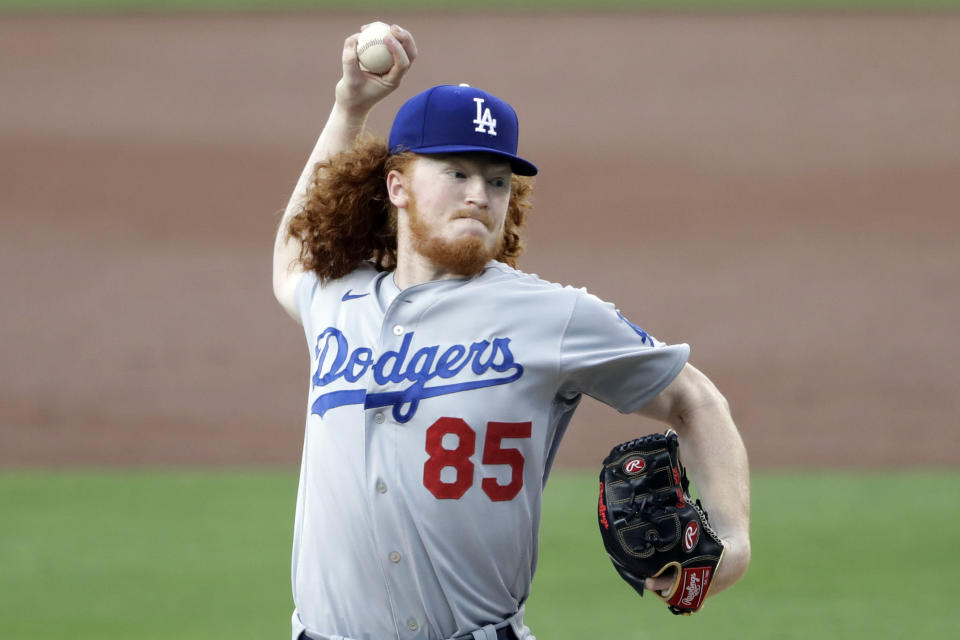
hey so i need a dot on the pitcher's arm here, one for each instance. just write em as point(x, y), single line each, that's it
point(356, 94)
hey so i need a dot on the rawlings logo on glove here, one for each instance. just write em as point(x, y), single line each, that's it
point(650, 525)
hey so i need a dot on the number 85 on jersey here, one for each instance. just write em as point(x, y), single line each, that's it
point(453, 485)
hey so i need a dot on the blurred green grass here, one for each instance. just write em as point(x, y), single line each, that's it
point(145, 555)
point(852, 556)
point(467, 5)
point(191, 555)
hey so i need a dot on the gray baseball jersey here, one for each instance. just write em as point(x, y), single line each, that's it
point(433, 416)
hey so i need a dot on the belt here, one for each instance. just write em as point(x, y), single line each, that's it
point(503, 633)
point(506, 633)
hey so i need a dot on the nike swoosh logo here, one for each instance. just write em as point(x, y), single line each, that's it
point(349, 296)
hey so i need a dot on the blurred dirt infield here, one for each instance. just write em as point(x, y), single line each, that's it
point(778, 191)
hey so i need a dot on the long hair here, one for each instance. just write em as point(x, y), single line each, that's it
point(347, 218)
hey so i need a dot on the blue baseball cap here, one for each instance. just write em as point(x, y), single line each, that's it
point(458, 119)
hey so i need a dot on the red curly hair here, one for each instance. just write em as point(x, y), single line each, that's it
point(347, 216)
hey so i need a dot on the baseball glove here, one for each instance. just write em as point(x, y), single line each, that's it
point(650, 525)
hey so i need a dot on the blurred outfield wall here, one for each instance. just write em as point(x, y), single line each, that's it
point(777, 190)
point(473, 6)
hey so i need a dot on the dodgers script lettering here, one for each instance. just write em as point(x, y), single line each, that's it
point(484, 363)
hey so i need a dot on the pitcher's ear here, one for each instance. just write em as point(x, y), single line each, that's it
point(397, 189)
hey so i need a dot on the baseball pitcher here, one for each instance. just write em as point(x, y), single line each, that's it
point(442, 378)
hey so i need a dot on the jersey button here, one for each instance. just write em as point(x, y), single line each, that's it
point(381, 486)
point(378, 418)
point(394, 557)
point(398, 330)
point(412, 624)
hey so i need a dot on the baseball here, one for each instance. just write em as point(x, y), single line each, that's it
point(374, 55)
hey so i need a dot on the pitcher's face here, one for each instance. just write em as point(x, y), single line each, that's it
point(454, 207)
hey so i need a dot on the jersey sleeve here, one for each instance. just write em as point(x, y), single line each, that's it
point(306, 289)
point(609, 358)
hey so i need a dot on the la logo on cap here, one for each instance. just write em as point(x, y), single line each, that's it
point(485, 121)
